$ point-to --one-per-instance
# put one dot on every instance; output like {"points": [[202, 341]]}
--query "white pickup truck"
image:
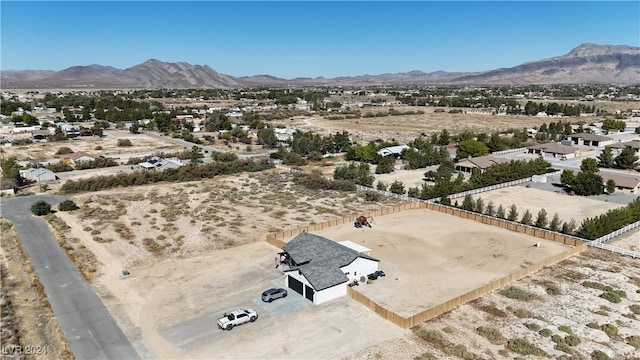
{"points": [[237, 317]]}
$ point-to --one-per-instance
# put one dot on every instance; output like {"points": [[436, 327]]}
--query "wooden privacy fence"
{"points": [[428, 314]]}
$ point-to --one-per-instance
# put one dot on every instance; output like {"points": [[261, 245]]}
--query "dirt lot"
{"points": [[186, 243]]}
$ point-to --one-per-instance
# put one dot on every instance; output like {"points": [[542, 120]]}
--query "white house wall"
{"points": [[331, 293], [360, 267]]}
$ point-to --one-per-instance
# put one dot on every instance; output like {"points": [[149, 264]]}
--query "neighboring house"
{"points": [[618, 147], [39, 175], [623, 182], [78, 157], [482, 163], [393, 150], [40, 135], [158, 163], [554, 149], [321, 269], [588, 139]]}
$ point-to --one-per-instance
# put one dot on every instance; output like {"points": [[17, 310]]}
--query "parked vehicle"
{"points": [[380, 273], [372, 276], [273, 294], [353, 283], [237, 317]]}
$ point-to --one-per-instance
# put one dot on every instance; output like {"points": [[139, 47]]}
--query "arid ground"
{"points": [[195, 250]]}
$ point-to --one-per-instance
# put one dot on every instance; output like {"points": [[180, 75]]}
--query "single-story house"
{"points": [[482, 163], [623, 182], [158, 163], [78, 157], [320, 269], [588, 139], [38, 175], [554, 149], [40, 135], [618, 147], [393, 150]]}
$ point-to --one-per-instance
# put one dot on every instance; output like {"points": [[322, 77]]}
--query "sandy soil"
{"points": [[173, 291], [424, 252], [404, 128]]}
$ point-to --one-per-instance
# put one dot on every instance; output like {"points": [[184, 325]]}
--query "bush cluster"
{"points": [[188, 172]]}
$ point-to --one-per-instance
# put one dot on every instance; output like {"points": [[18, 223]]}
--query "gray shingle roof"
{"points": [[319, 259], [589, 137]]}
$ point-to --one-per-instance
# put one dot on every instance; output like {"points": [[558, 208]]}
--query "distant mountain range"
{"points": [[585, 64]]}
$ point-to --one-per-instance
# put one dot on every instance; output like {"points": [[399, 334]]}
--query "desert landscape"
{"points": [[194, 250]]}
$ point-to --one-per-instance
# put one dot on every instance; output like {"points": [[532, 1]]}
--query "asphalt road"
{"points": [[85, 322]]}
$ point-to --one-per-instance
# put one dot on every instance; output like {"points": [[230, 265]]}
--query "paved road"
{"points": [[86, 324]]}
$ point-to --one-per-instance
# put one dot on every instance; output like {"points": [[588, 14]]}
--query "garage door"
{"points": [[295, 285], [308, 292]]}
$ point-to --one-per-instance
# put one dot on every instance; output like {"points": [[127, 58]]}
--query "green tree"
{"points": [[444, 138], [385, 165], [587, 184], [605, 159], [555, 223], [513, 213], [610, 185], [567, 177], [468, 203], [589, 165], [490, 209], [627, 159], [471, 148], [41, 208], [479, 206], [397, 187], [267, 137], [527, 218], [500, 213], [542, 220], [11, 178], [135, 127]]}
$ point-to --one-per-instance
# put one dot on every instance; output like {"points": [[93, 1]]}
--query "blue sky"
{"points": [[308, 39]]}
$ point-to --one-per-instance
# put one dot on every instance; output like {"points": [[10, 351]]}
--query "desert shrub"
{"points": [[492, 310], [426, 356], [532, 326], [524, 347], [634, 341], [611, 296], [599, 355], [95, 232], [448, 330], [372, 196], [98, 147], [514, 292], [563, 347], [220, 156], [433, 337], [602, 312], [492, 334], [635, 308], [553, 290], [565, 328], [545, 332], [64, 150], [124, 142], [595, 285], [557, 339], [40, 208], [67, 205], [572, 340], [522, 313], [609, 329], [381, 186], [593, 325], [87, 228], [59, 167], [458, 350]]}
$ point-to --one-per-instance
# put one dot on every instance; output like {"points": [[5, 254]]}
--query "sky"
{"points": [[292, 39]]}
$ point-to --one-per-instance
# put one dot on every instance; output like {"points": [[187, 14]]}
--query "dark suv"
{"points": [[273, 294]]}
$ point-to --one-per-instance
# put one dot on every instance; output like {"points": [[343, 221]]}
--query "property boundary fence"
{"points": [[428, 314], [510, 151], [542, 233]]}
